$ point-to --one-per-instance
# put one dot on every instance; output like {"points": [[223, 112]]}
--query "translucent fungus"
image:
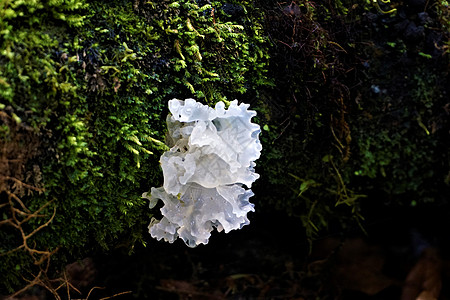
{"points": [[210, 161]]}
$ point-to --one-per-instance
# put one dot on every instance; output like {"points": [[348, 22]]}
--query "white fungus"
{"points": [[210, 161]]}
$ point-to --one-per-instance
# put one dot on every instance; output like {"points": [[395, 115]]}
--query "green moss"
{"points": [[210, 57], [401, 146], [355, 117], [92, 78]]}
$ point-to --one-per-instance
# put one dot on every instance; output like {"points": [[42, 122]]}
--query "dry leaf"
{"points": [[360, 267], [424, 281]]}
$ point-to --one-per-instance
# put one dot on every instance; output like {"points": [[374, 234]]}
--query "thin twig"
{"points": [[43, 225], [90, 291], [36, 213], [22, 183], [119, 294], [11, 195]]}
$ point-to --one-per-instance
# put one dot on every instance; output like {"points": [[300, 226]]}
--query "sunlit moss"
{"points": [[93, 79]]}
